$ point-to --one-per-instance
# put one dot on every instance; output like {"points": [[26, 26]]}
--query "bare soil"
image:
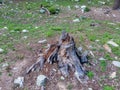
{"points": [[19, 67]]}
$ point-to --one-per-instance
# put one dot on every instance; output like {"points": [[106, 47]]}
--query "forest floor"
{"points": [[22, 27]]}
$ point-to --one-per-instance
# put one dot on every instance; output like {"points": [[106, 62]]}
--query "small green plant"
{"points": [[49, 33], [108, 57], [56, 28], [69, 87], [20, 56], [103, 65], [9, 74], [90, 74], [1, 60], [87, 9], [108, 88]]}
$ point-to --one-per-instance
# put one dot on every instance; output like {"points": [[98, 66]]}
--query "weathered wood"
{"points": [[66, 55]]}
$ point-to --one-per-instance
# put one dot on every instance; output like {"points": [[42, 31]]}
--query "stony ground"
{"points": [[92, 30]]}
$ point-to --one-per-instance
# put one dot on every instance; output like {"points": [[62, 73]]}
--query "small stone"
{"points": [[76, 20], [113, 75], [101, 2], [77, 0], [42, 41], [107, 48], [62, 78], [90, 89], [5, 28], [54, 70], [24, 31], [80, 49], [83, 7], [1, 50], [25, 37], [116, 63], [77, 7], [42, 11], [101, 59], [19, 81], [68, 7], [5, 65], [41, 80], [97, 40], [112, 43]]}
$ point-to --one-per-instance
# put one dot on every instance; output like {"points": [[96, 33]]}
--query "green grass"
{"points": [[108, 88], [90, 74], [103, 65]]}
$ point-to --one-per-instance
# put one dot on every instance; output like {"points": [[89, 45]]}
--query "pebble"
{"points": [[90, 89], [24, 31], [116, 63], [42, 41], [41, 80], [112, 43], [76, 20], [113, 75], [1, 50], [19, 81], [62, 78], [101, 59]]}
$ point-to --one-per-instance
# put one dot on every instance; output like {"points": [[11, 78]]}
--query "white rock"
{"points": [[113, 75], [77, 0], [24, 31], [83, 7], [68, 7], [101, 58], [77, 6], [101, 2], [113, 43], [5, 65], [97, 40], [116, 63], [62, 78], [42, 41], [1, 50], [5, 28], [24, 37], [41, 80], [76, 20], [19, 81], [90, 89]]}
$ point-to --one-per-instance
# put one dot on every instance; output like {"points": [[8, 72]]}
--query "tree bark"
{"points": [[116, 4]]}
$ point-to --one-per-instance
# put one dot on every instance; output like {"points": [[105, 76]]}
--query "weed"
{"points": [[90, 74], [108, 88], [69, 87], [20, 56], [103, 65], [108, 57], [1, 60]]}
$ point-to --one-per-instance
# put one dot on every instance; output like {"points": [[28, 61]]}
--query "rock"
{"points": [[77, 0], [91, 53], [41, 80], [83, 7], [1, 50], [101, 2], [5, 65], [107, 48], [90, 89], [19, 81], [116, 63], [101, 58], [77, 7], [76, 20], [42, 10], [5, 28], [113, 75], [24, 31], [68, 7], [97, 40], [42, 41], [112, 43], [80, 49], [62, 78], [61, 86], [24, 37]]}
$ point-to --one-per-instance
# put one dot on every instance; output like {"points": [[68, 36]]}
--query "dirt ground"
{"points": [[54, 83]]}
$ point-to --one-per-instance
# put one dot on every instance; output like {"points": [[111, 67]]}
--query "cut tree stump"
{"points": [[66, 55]]}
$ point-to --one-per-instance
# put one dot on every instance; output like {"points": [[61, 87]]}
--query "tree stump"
{"points": [[66, 55]]}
